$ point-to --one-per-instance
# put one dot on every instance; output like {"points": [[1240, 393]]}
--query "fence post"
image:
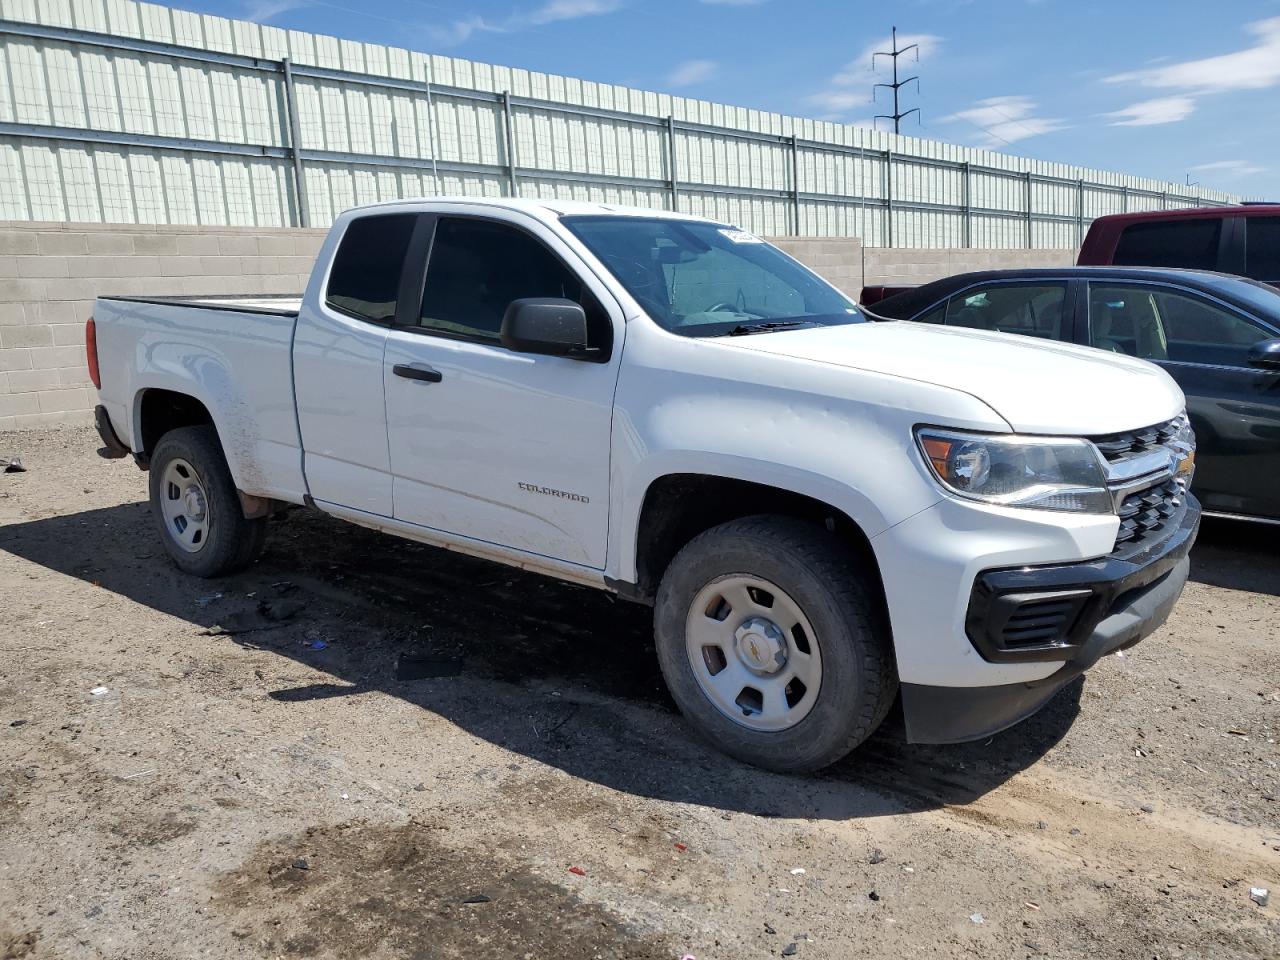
{"points": [[966, 183], [888, 197], [1080, 211], [795, 185], [295, 146], [671, 163], [1124, 198], [512, 183], [1030, 242]]}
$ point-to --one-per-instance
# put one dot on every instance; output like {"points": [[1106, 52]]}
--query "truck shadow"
{"points": [[560, 674], [1238, 555]]}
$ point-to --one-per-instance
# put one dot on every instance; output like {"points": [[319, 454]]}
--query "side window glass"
{"points": [[477, 267], [364, 281], [1192, 244], [1032, 309], [936, 315], [1160, 324], [1124, 320], [1202, 332], [1262, 248]]}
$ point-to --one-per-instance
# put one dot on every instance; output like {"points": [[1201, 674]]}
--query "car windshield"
{"points": [[703, 279]]}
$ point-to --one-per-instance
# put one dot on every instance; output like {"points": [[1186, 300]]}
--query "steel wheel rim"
{"points": [[753, 652], [185, 506]]}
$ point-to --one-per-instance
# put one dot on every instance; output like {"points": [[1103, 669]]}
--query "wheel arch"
{"points": [[677, 506], [157, 410]]}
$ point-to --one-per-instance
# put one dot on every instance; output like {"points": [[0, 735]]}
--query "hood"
{"points": [[1038, 386]]}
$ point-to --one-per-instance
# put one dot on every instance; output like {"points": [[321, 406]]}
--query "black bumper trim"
{"points": [[957, 714], [112, 447], [1096, 587]]}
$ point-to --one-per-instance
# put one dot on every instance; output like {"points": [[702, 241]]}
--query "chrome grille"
{"points": [[1145, 514], [1143, 475], [1120, 446]]}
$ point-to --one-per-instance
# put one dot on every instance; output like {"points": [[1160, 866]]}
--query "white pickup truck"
{"points": [[824, 510]]}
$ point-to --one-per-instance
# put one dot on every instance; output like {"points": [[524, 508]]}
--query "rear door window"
{"points": [[365, 279], [1190, 244], [1262, 248], [1034, 310]]}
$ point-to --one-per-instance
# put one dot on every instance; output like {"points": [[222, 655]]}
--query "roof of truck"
{"points": [[544, 208]]}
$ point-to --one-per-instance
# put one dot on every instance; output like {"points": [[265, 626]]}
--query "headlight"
{"points": [[1044, 473]]}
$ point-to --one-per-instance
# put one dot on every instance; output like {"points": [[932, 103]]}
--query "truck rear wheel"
{"points": [[196, 506], [771, 644]]}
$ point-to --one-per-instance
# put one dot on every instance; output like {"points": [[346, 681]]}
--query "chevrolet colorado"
{"points": [[825, 511]]}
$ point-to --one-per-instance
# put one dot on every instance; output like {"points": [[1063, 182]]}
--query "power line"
{"points": [[897, 115]]}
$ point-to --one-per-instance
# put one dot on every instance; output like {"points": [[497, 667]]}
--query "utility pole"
{"points": [[897, 116]]}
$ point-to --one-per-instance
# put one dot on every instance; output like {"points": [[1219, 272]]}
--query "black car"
{"points": [[1218, 336]]}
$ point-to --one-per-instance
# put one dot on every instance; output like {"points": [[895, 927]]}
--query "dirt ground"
{"points": [[406, 730]]}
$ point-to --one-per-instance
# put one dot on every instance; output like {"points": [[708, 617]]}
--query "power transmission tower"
{"points": [[897, 115]]}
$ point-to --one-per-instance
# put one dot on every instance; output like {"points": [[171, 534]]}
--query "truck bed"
{"points": [[280, 305]]}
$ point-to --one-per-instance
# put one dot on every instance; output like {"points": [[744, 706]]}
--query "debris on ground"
{"points": [[300, 864], [17, 723], [1147, 808], [410, 667], [1260, 895], [12, 465], [478, 898], [977, 918], [877, 856], [99, 692], [768, 928], [790, 950], [208, 599], [577, 871], [797, 871], [681, 847], [278, 610], [873, 897], [317, 644]]}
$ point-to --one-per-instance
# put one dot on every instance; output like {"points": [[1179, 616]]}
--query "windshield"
{"points": [[704, 279]]}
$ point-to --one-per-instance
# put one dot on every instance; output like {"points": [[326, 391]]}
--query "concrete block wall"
{"points": [[902, 267], [50, 274]]}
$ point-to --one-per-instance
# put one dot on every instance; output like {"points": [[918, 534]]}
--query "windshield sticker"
{"points": [[740, 236]]}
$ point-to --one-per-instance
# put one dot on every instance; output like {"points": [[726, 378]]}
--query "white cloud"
{"points": [[1253, 68], [1148, 113], [1243, 168], [554, 11], [260, 11], [691, 72], [851, 87], [557, 10], [1005, 120], [835, 101]]}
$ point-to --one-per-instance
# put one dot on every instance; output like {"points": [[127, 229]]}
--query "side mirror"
{"points": [[548, 325], [1265, 354]]}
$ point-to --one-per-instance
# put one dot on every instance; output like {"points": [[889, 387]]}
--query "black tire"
{"points": [[233, 542], [859, 678]]}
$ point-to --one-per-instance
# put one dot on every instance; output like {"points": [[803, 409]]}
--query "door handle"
{"points": [[417, 371]]}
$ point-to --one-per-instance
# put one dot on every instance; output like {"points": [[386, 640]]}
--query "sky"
{"points": [[1179, 90]]}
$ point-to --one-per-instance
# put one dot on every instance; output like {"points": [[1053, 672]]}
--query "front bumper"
{"points": [[1109, 604]]}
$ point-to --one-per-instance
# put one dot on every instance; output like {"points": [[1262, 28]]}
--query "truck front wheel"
{"points": [[196, 506], [771, 644]]}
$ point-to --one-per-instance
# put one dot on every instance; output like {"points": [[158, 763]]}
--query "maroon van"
{"points": [[1243, 240]]}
